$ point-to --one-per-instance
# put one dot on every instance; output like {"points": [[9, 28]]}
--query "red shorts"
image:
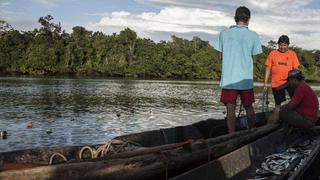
{"points": [[229, 96]]}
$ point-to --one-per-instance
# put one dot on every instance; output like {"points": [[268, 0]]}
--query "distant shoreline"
{"points": [[197, 81]]}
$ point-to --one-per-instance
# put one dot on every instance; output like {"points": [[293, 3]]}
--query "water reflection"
{"points": [[90, 111]]}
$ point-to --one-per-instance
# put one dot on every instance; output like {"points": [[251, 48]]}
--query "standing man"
{"points": [[302, 110], [278, 64], [237, 47]]}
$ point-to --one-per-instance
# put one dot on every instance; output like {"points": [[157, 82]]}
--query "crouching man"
{"points": [[302, 110]]}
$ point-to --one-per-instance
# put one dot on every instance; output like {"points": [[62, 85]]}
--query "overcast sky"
{"points": [[159, 19]]}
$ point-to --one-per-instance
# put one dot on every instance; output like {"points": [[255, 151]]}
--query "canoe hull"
{"points": [[242, 163], [153, 166], [157, 165]]}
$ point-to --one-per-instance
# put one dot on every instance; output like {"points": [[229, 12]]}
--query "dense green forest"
{"points": [[51, 51]]}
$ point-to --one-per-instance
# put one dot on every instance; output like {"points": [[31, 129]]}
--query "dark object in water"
{"points": [[30, 125], [153, 161], [3, 134]]}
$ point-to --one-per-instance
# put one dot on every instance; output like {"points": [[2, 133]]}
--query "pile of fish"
{"points": [[286, 162]]}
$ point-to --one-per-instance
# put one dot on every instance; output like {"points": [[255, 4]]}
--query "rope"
{"points": [[102, 150], [265, 101], [56, 154], [92, 151], [240, 111]]}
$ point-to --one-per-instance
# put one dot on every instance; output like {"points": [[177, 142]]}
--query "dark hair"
{"points": [[284, 39], [242, 14]]}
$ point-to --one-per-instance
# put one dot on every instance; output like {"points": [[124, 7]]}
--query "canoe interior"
{"points": [[200, 130], [243, 162]]}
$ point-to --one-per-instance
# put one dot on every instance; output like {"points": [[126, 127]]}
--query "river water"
{"points": [[92, 111]]}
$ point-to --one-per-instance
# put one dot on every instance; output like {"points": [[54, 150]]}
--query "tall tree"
{"points": [[127, 38]]}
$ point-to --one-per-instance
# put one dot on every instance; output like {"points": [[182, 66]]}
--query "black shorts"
{"points": [[279, 93]]}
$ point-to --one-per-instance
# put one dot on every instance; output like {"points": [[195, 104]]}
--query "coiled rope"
{"points": [[101, 151], [56, 154]]}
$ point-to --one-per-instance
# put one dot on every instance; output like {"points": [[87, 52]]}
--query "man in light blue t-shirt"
{"points": [[237, 48]]}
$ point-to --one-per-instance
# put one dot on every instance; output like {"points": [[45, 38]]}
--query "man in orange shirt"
{"points": [[278, 64]]}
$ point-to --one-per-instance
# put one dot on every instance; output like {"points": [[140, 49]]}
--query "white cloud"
{"points": [[173, 19], [270, 19], [169, 21], [301, 26]]}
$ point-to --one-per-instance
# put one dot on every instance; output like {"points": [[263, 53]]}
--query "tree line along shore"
{"points": [[51, 51]]}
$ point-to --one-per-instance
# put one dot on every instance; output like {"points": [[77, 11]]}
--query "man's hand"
{"points": [[266, 77], [254, 58], [265, 86]]}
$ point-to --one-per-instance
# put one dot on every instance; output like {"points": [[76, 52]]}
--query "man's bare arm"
{"points": [[266, 77]]}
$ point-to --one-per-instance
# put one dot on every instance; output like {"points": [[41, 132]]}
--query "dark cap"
{"points": [[294, 73]]}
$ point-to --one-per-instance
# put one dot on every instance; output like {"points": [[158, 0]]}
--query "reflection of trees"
{"points": [[55, 98], [125, 97], [47, 99]]}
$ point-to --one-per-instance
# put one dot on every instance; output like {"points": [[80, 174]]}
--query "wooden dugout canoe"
{"points": [[165, 153], [243, 162]]}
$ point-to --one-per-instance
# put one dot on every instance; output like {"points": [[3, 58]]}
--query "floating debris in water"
{"points": [[49, 131], [30, 125], [3, 134], [276, 164]]}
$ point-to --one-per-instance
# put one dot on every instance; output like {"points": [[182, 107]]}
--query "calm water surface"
{"points": [[92, 111]]}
